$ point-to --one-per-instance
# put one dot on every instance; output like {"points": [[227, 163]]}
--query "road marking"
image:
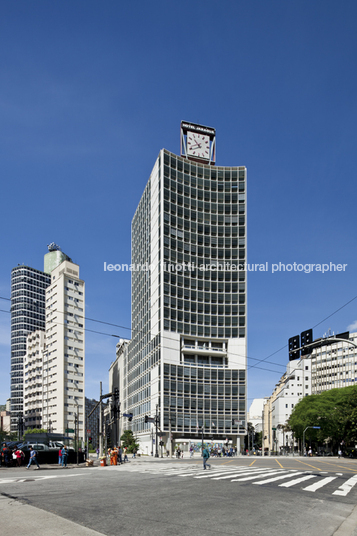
{"points": [[252, 463], [320, 484], [269, 472], [209, 474], [346, 487], [279, 463], [249, 472], [36, 478], [309, 465], [296, 481], [276, 478], [345, 468]]}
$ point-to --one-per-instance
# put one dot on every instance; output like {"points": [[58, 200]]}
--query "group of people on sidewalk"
{"points": [[63, 456], [118, 455], [11, 457]]}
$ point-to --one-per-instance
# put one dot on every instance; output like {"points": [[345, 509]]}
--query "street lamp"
{"points": [[303, 436]]}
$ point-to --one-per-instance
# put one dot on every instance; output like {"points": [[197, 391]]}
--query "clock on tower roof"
{"points": [[198, 143]]}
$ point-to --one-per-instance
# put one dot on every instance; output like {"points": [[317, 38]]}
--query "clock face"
{"points": [[198, 145]]}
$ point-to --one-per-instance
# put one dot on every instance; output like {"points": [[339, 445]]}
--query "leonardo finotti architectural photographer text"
{"points": [[228, 267]]}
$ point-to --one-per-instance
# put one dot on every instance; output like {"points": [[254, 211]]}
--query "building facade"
{"points": [[294, 385], [334, 362], [64, 359], [186, 362], [255, 414], [33, 379], [28, 287]]}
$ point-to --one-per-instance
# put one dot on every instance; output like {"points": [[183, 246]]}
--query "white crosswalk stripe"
{"points": [[296, 481], [267, 473], [317, 485], [275, 478], [254, 475], [346, 487]]}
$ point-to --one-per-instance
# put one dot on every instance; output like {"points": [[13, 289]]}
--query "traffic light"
{"points": [[146, 418], [116, 394], [130, 418], [294, 343], [306, 338]]}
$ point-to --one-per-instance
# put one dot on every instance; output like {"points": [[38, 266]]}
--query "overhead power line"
{"points": [[264, 360]]}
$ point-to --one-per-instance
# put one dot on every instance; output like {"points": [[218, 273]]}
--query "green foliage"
{"points": [[258, 440], [34, 431], [128, 440], [8, 436], [335, 411]]}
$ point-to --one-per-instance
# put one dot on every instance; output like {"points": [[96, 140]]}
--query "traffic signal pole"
{"points": [[100, 422], [156, 434]]}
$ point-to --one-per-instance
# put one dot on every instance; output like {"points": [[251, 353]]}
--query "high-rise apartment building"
{"points": [[187, 357], [28, 287], [64, 359], [33, 379], [333, 362]]}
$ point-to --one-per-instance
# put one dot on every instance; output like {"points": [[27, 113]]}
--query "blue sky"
{"points": [[90, 91]]}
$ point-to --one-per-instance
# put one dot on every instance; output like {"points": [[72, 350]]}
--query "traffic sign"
{"points": [[69, 431], [316, 427]]}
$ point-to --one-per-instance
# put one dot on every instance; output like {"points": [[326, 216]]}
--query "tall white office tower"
{"points": [[64, 359], [187, 358]]}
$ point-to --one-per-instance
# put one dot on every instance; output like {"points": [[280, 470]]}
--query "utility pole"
{"points": [[156, 435], [170, 436], [100, 434], [202, 440]]}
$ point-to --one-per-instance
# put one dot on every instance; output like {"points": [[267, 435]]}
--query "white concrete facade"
{"points": [[255, 413], [294, 385], [33, 379], [334, 364], [188, 352], [64, 361]]}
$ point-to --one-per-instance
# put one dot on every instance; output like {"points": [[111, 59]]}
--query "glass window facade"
{"points": [[28, 287], [190, 227]]}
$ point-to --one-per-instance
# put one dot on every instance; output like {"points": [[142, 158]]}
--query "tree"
{"points": [[258, 440], [129, 441], [34, 431], [334, 411]]}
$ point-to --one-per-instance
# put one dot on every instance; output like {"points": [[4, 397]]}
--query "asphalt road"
{"points": [[244, 496]]}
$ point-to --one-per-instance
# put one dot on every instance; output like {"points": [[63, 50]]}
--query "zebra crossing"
{"points": [[283, 478]]}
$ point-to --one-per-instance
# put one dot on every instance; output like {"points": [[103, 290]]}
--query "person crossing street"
{"points": [[206, 455], [33, 458]]}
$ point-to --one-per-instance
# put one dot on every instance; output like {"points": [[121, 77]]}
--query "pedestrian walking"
{"points": [[126, 459], [205, 455], [7, 457], [19, 457], [60, 456], [97, 451], [33, 458], [64, 457]]}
